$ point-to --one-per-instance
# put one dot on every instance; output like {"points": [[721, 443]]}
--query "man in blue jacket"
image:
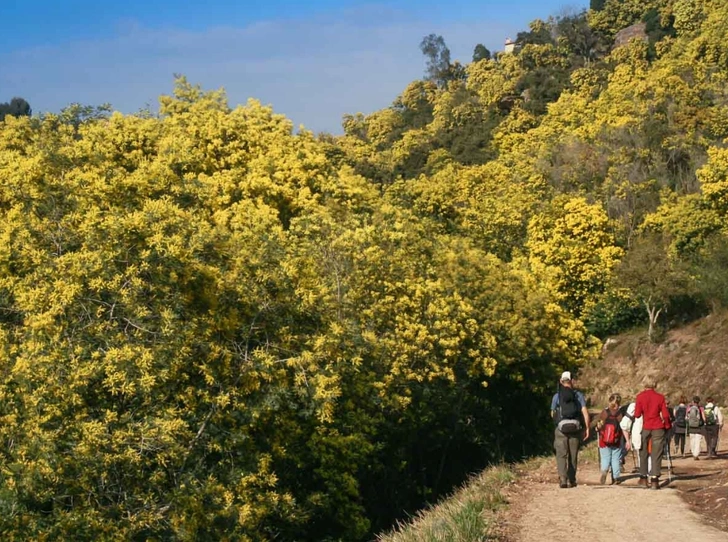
{"points": [[568, 409]]}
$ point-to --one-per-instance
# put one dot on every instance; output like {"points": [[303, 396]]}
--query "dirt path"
{"points": [[691, 506]]}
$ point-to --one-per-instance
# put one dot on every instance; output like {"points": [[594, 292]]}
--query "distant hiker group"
{"points": [[648, 425], [697, 422]]}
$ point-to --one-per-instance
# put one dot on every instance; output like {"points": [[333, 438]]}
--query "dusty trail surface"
{"points": [[690, 506]]}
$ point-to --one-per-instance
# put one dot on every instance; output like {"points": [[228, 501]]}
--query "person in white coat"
{"points": [[632, 428]]}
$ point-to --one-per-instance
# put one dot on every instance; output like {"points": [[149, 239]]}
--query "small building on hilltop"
{"points": [[510, 46]]}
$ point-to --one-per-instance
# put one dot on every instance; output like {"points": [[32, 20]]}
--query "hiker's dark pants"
{"points": [[657, 436], [567, 454], [680, 442], [711, 439]]}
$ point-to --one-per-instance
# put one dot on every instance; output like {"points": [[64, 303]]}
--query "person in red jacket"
{"points": [[656, 421]]}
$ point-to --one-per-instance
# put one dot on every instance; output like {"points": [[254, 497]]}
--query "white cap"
{"points": [[566, 375], [710, 405]]}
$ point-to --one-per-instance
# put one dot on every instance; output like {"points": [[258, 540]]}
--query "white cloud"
{"points": [[313, 70]]}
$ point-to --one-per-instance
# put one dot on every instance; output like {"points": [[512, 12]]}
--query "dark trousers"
{"points": [[567, 454], [711, 439], [680, 442], [657, 438]]}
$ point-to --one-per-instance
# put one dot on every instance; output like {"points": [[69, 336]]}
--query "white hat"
{"points": [[565, 376], [710, 405]]}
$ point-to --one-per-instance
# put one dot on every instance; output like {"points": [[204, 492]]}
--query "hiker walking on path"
{"points": [[680, 425], [713, 425], [610, 440], [651, 405], [696, 424], [625, 425], [670, 432], [632, 426], [568, 409]]}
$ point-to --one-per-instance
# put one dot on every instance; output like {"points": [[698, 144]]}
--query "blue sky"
{"points": [[312, 60]]}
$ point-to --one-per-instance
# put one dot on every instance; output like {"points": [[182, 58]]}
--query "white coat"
{"points": [[634, 428]]}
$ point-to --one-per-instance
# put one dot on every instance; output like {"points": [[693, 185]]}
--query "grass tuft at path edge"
{"points": [[468, 515]]}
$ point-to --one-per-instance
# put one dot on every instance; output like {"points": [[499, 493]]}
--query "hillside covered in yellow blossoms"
{"points": [[216, 327]]}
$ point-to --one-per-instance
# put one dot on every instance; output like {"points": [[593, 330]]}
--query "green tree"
{"points": [[540, 33], [16, 107], [653, 276], [573, 32], [710, 269], [76, 114], [436, 52], [481, 52]]}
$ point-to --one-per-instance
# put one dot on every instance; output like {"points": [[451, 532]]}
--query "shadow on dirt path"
{"points": [[692, 504]]}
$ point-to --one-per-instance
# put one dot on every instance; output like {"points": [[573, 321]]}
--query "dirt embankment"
{"points": [[692, 360]]}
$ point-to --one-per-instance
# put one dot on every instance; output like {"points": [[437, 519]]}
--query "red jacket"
{"points": [[651, 405]]}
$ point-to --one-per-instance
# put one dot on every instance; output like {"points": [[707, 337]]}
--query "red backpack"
{"points": [[611, 432]]}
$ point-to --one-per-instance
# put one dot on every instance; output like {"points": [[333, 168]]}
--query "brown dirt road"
{"points": [[693, 505]]}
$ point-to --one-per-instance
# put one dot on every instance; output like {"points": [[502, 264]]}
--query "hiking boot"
{"points": [[696, 458], [603, 478], [562, 484], [655, 483], [642, 481], [572, 483], [617, 481]]}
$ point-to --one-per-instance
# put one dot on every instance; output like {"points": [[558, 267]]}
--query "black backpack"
{"points": [[569, 407], [568, 419], [623, 411], [680, 416]]}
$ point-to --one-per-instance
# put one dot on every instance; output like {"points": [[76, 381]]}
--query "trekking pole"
{"points": [[669, 462]]}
